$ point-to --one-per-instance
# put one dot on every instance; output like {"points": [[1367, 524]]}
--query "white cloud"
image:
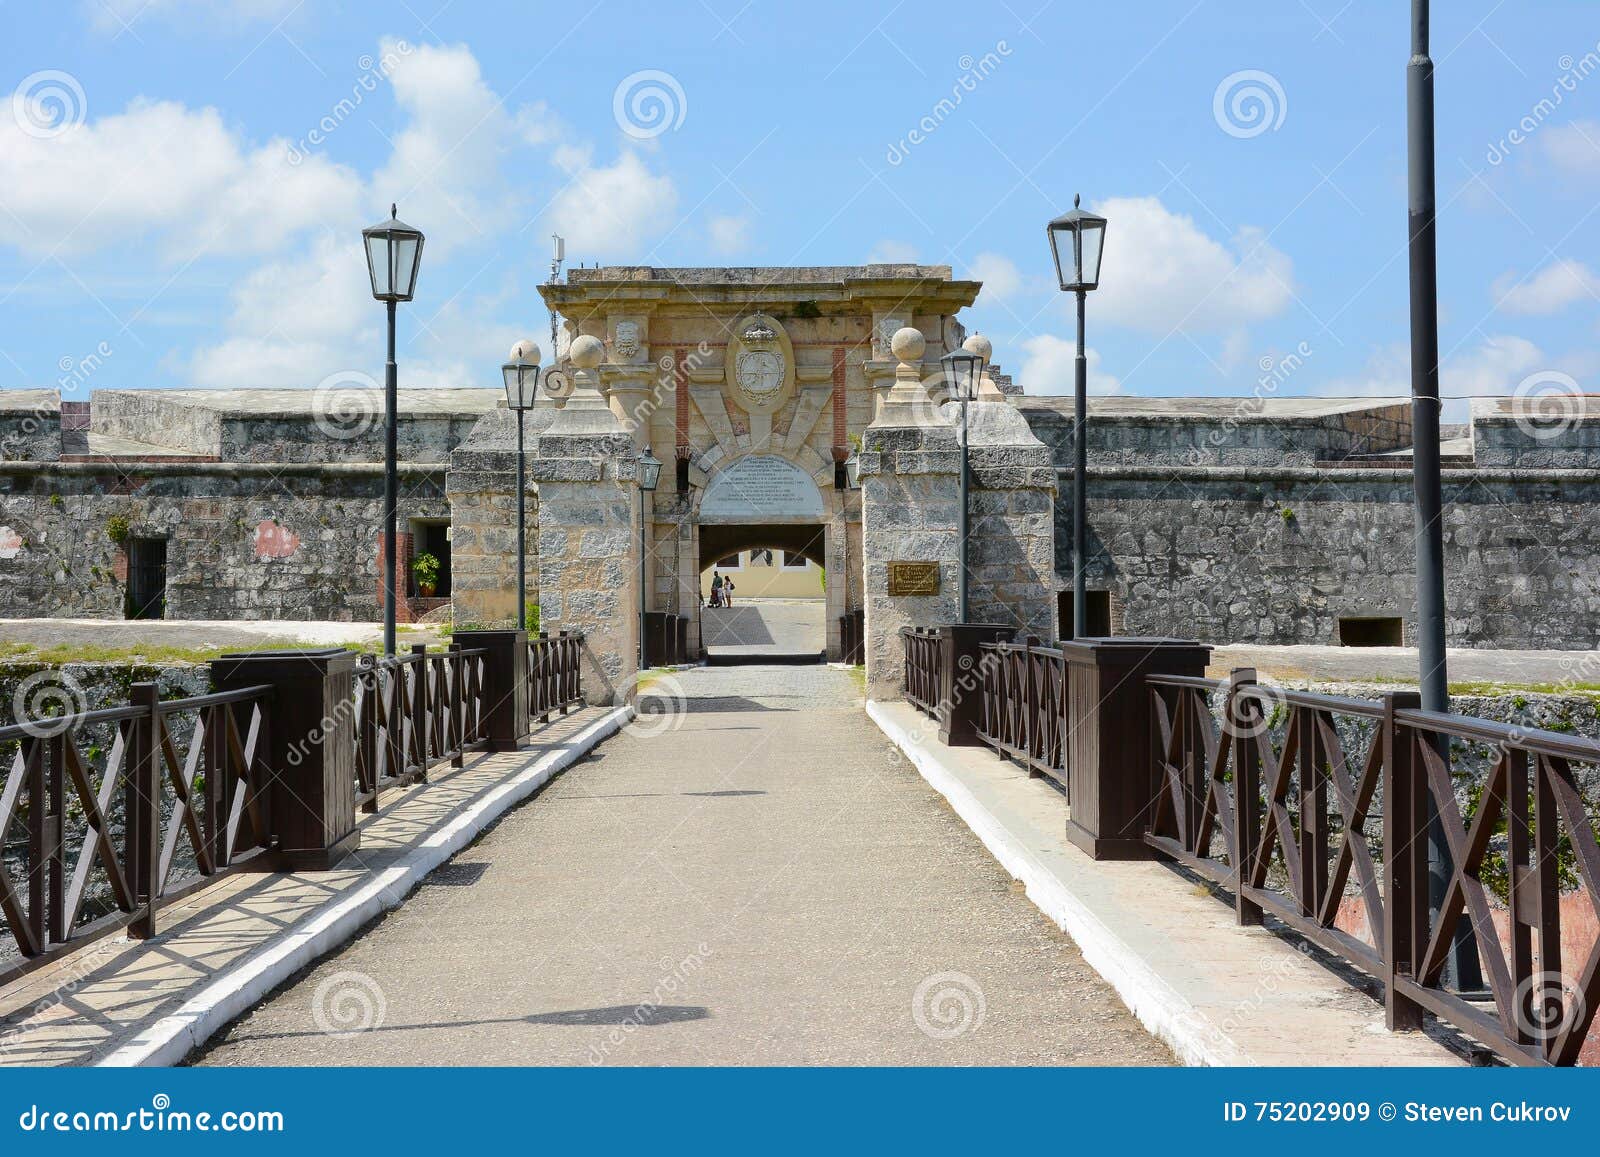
{"points": [[892, 253], [1049, 367], [1574, 147], [1551, 290], [609, 212], [1000, 276], [162, 172], [728, 234], [1162, 274], [1493, 367]]}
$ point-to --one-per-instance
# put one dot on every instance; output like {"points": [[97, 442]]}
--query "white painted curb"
{"points": [[1164, 1012], [173, 1037]]}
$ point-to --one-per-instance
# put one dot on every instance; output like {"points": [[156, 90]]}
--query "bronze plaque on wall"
{"points": [[913, 578]]}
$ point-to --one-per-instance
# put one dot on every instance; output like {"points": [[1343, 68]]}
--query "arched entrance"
{"points": [[763, 521]]}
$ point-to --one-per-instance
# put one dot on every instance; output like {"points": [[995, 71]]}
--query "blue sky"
{"points": [[182, 184]]}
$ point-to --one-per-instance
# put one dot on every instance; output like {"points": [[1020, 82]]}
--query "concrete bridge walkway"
{"points": [[754, 877]]}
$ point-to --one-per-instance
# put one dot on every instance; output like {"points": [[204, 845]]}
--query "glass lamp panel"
{"points": [[1092, 239], [408, 249], [1061, 245], [378, 267]]}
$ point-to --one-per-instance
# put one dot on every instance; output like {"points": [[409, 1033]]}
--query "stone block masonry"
{"points": [[241, 541]]}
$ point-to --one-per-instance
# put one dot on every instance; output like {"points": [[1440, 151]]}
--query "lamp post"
{"points": [[1078, 271], [521, 376], [394, 253], [1462, 966], [649, 476], [963, 369]]}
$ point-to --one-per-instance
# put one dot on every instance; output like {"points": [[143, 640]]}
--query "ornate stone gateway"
{"points": [[753, 386]]}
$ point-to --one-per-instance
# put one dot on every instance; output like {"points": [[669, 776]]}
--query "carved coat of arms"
{"points": [[759, 368], [626, 341]]}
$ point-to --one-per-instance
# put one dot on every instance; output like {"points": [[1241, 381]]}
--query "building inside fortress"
{"points": [[1235, 519]]}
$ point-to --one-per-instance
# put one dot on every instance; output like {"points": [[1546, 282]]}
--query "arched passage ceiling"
{"points": [[719, 541]]}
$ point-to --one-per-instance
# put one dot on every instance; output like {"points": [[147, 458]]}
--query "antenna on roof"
{"points": [[558, 254]]}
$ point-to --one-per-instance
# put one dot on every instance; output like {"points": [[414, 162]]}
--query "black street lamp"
{"points": [[521, 375], [1078, 271], [1462, 966], [852, 481], [394, 253], [963, 370], [649, 476]]}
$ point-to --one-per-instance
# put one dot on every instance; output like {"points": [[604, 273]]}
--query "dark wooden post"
{"points": [[505, 685], [1405, 847], [457, 666], [961, 673], [142, 808], [421, 711], [311, 752], [1111, 737], [1243, 719]]}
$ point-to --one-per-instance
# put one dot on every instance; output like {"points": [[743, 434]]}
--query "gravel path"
{"points": [[752, 876]]}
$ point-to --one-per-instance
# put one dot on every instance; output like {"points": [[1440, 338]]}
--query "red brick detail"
{"points": [[402, 568], [841, 399], [119, 565], [680, 391]]}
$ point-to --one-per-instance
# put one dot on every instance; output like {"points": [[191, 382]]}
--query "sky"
{"points": [[183, 182]]}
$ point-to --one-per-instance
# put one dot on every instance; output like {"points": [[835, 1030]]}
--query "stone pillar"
{"points": [[910, 464], [588, 531], [482, 488], [1011, 558]]}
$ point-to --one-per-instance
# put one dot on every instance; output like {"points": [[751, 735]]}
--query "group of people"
{"points": [[721, 590]]}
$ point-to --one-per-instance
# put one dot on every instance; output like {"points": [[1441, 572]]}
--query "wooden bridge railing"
{"points": [[413, 711], [1289, 798], [555, 674], [126, 810], [1024, 708], [922, 674]]}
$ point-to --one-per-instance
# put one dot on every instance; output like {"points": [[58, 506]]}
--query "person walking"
{"points": [[727, 591], [716, 589]]}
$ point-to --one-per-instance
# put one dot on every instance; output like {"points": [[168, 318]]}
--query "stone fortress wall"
{"points": [[1232, 519]]}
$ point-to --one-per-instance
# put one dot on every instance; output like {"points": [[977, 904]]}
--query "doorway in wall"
{"points": [[147, 579]]}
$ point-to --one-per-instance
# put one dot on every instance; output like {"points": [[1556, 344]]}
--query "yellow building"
{"points": [[768, 574]]}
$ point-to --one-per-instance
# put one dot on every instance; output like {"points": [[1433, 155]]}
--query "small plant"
{"points": [[1287, 514], [425, 569], [55, 500], [533, 618], [117, 529]]}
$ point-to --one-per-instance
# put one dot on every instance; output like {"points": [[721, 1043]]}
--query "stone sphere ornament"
{"points": [[908, 344], [980, 345], [525, 353], [587, 352]]}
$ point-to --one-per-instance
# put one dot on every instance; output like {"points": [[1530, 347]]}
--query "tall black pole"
{"points": [[643, 655], [391, 400], [1434, 676], [1080, 467], [966, 519], [522, 526]]}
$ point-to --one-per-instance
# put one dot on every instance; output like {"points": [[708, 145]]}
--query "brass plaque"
{"points": [[913, 578]]}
